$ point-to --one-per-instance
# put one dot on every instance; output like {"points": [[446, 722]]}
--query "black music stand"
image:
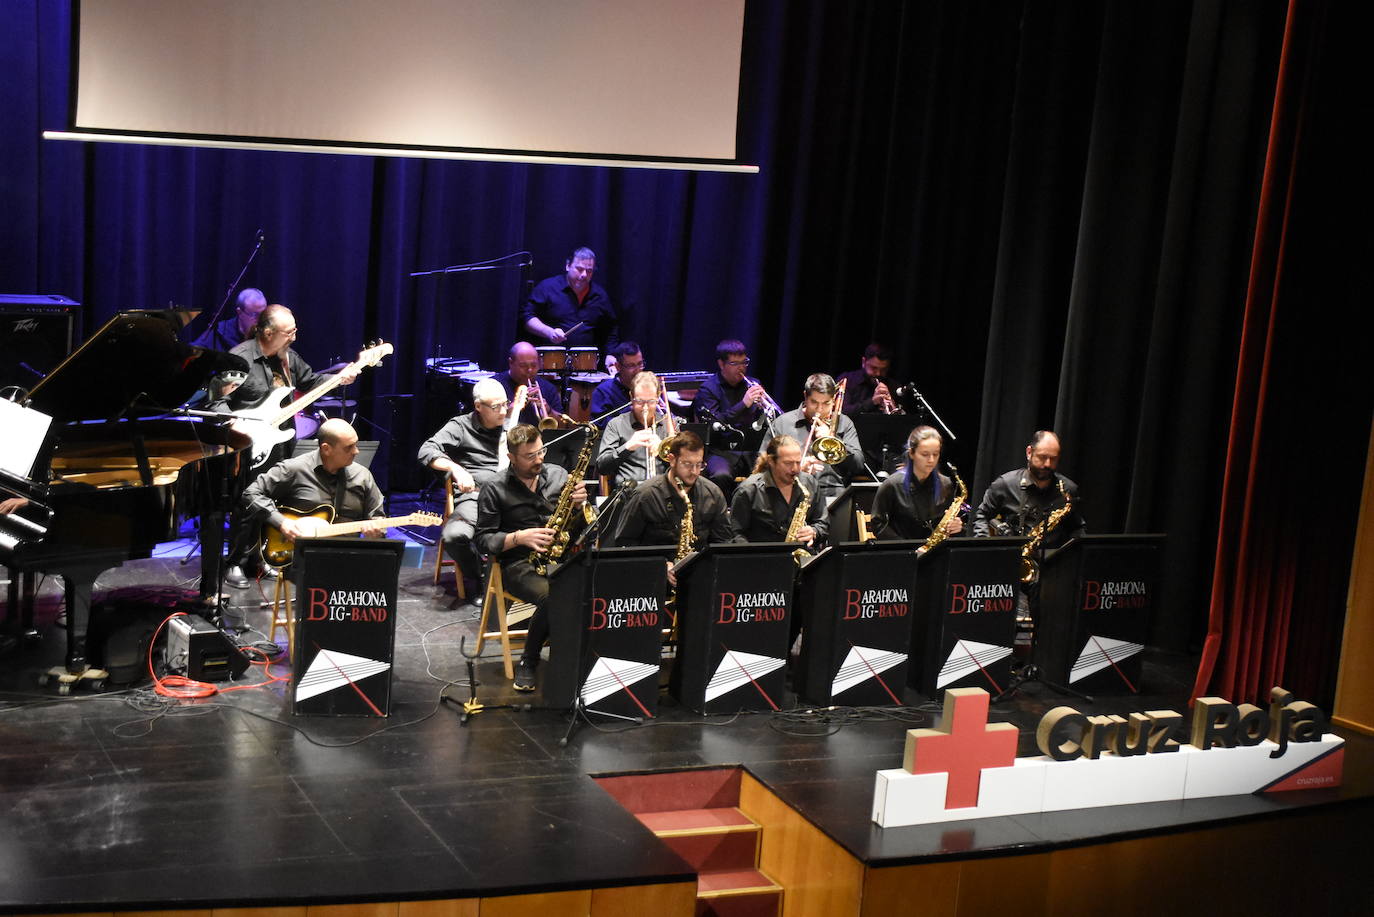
{"points": [[1097, 599], [606, 620], [734, 608], [345, 625], [844, 525], [965, 629], [855, 602], [883, 437]]}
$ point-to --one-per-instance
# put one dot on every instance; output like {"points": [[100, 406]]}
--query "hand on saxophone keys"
{"points": [[806, 535], [579, 494], [539, 539]]}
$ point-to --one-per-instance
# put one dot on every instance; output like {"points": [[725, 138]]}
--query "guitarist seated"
{"points": [[286, 495]]}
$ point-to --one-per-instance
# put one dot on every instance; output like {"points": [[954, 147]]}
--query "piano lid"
{"points": [[133, 365]]}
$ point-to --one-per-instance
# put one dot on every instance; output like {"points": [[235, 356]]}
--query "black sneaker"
{"points": [[234, 577], [524, 676]]}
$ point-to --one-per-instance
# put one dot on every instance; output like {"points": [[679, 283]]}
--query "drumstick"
{"points": [[573, 328]]}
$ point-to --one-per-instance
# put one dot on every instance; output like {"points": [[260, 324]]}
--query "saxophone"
{"points": [[799, 520], [941, 531], [686, 536], [560, 520], [1030, 570]]}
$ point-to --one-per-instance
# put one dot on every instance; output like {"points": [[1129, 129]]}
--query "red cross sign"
{"points": [[962, 746]]}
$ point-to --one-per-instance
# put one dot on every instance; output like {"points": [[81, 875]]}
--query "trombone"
{"points": [[821, 441]]}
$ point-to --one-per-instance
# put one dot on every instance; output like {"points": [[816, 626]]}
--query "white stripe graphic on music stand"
{"points": [[863, 663], [330, 670], [610, 675], [738, 669], [968, 657], [1100, 652]]}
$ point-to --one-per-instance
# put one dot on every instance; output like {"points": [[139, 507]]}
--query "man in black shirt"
{"points": [[819, 395], [656, 509], [868, 388], [513, 511], [763, 506], [523, 369], [614, 393], [913, 500], [730, 397], [324, 477], [1016, 501], [562, 302], [237, 328], [469, 450]]}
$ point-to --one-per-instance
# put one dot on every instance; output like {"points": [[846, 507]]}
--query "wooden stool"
{"points": [[440, 561], [281, 613], [508, 610]]}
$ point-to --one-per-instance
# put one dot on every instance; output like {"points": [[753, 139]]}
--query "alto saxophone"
{"points": [[941, 531], [1030, 570], [799, 520], [686, 535], [560, 520]]}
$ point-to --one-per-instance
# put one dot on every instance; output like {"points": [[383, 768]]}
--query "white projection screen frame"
{"points": [[626, 81]]}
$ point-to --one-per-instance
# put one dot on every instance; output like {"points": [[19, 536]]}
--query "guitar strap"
{"points": [[340, 487]]}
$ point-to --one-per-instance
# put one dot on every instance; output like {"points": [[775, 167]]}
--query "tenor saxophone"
{"points": [[1030, 569], [560, 520], [941, 531]]}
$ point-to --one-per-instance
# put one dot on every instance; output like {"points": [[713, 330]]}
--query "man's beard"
{"points": [[1041, 474]]}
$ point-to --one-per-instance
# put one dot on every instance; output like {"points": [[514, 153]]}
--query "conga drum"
{"points": [[584, 359], [553, 359]]}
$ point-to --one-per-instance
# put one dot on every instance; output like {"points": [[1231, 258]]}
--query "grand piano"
{"points": [[123, 465]]}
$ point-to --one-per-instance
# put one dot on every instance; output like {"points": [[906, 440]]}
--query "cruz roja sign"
{"points": [[967, 768]]}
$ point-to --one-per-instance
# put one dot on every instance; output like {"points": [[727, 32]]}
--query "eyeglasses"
{"points": [[744, 362], [495, 406], [539, 453], [643, 402], [692, 466]]}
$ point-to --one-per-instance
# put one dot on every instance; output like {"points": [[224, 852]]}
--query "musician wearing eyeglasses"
{"points": [[1017, 501], [522, 368], [764, 505], [817, 425], [612, 397], [868, 390], [914, 498], [654, 514], [570, 309], [237, 328], [513, 511], [731, 399], [468, 449], [628, 450]]}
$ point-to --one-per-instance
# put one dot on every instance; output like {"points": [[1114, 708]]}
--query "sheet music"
{"points": [[25, 429]]}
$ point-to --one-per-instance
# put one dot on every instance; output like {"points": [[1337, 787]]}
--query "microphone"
{"points": [[262, 237]]}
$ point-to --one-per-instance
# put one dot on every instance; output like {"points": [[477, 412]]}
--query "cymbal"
{"points": [[335, 403]]}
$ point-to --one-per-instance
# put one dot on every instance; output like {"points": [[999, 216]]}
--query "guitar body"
{"points": [[261, 427], [276, 549]]}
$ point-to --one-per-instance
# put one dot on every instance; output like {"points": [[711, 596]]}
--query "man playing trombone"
{"points": [[731, 399], [629, 448], [831, 450]]}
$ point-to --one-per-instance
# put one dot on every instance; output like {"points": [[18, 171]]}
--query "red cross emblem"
{"points": [[962, 746]]}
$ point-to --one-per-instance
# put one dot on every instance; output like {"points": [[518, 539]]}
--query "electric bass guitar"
{"points": [[269, 423], [277, 549]]}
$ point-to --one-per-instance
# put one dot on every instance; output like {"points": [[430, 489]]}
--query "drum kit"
{"points": [[308, 421]]}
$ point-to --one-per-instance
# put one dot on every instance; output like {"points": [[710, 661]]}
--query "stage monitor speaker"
{"points": [[37, 331], [202, 651]]}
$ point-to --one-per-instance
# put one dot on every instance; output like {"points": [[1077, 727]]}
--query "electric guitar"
{"points": [[268, 422], [277, 549]]}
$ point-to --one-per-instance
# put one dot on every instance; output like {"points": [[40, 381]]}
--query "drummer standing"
{"points": [[571, 310]]}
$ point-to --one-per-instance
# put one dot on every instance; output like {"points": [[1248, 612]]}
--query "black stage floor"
{"points": [[125, 800]]}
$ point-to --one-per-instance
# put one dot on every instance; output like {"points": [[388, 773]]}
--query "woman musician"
{"points": [[911, 502], [629, 448]]}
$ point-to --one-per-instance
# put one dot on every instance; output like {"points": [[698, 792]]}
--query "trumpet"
{"points": [[547, 419], [770, 407], [821, 441], [889, 406]]}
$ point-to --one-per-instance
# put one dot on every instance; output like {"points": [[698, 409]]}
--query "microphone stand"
{"points": [[233, 285], [933, 415]]}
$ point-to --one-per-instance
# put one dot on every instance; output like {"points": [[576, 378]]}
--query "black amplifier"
{"points": [[37, 331]]}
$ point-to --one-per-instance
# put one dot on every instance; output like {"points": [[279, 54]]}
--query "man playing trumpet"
{"points": [[629, 447], [831, 452], [523, 369]]}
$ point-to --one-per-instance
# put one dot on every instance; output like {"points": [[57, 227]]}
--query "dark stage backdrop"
{"points": [[1047, 208]]}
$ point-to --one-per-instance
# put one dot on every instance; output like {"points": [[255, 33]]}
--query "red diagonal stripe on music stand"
{"points": [[367, 700], [986, 673], [874, 672], [756, 685], [626, 688], [1114, 665]]}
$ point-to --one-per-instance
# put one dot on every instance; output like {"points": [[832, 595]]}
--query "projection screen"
{"points": [[613, 79]]}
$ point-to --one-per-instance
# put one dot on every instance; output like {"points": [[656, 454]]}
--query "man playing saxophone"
{"points": [[913, 500], [765, 504], [656, 513], [817, 423], [1015, 502], [513, 511]]}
